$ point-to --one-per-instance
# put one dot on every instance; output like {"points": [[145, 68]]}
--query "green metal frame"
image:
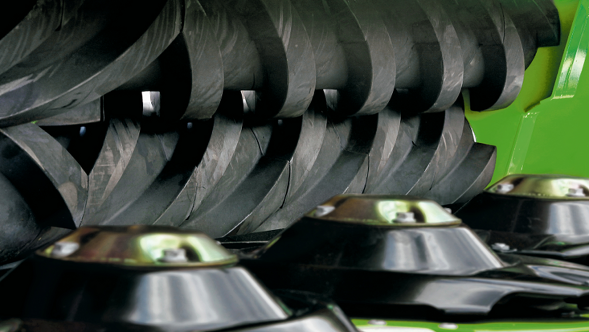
{"points": [[546, 130], [504, 326]]}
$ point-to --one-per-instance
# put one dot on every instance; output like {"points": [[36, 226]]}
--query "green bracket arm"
{"points": [[535, 134]]}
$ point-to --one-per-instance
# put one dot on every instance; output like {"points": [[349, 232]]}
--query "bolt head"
{"points": [[504, 188], [175, 255], [323, 210], [500, 247], [379, 322], [64, 249], [448, 326], [576, 192], [405, 217]]}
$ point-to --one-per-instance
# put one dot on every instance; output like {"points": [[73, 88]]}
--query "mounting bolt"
{"points": [[176, 255], [576, 191], [500, 246], [322, 210], [377, 322], [448, 326], [63, 249], [405, 217], [504, 188]]}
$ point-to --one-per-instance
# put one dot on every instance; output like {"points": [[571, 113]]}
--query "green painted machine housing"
{"points": [[546, 130]]}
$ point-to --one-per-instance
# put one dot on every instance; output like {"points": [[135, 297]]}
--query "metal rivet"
{"points": [[189, 125], [63, 249], [449, 210], [174, 256], [500, 246], [405, 217], [82, 131], [377, 322], [448, 326], [322, 210], [504, 188]]}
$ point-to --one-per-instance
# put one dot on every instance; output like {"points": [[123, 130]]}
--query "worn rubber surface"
{"points": [[238, 116]]}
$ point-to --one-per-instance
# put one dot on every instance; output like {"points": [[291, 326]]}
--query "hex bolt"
{"points": [[500, 246], [576, 191], [377, 322], [405, 217], [323, 210], [504, 188], [174, 255], [63, 249], [448, 326]]}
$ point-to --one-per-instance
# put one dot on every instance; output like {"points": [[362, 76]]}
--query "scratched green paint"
{"points": [[545, 129]]}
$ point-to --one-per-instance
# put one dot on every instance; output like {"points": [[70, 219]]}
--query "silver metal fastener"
{"points": [[448, 326], [576, 191], [63, 249], [322, 210], [405, 217], [504, 188], [175, 255], [377, 322], [500, 246]]}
